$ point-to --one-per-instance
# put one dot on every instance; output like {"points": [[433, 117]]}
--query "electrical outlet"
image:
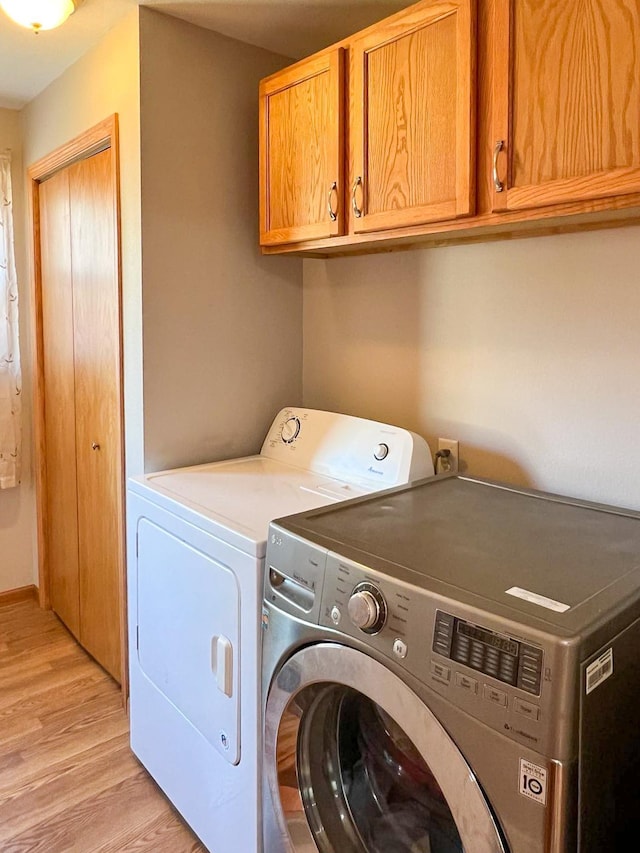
{"points": [[448, 464]]}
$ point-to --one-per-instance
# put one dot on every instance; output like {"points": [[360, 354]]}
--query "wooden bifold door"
{"points": [[81, 406]]}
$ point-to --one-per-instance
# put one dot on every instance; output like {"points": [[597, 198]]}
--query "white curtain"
{"points": [[10, 380]]}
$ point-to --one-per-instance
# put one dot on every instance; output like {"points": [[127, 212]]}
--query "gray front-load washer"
{"points": [[453, 666]]}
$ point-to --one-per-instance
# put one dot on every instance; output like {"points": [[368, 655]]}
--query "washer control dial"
{"points": [[367, 608], [290, 430], [382, 451]]}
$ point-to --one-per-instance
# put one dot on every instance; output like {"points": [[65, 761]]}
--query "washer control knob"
{"points": [[290, 430], [382, 452], [363, 610], [367, 608]]}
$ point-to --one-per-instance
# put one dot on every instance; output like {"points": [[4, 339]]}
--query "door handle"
{"points": [[332, 213], [357, 210], [497, 183], [95, 445], [222, 663]]}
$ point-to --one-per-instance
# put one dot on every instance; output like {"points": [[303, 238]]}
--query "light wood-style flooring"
{"points": [[68, 780]]}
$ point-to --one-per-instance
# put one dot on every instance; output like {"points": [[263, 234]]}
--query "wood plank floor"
{"points": [[68, 780]]}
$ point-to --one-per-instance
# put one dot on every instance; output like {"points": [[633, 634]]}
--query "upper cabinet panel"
{"points": [[412, 125], [566, 101], [456, 120], [301, 151]]}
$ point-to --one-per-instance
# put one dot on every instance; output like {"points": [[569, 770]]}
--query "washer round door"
{"points": [[355, 762]]}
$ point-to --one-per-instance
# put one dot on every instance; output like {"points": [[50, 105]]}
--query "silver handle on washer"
{"points": [[497, 183]]}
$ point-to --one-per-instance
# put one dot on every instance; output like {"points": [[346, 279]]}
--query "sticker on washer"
{"points": [[599, 670], [533, 781], [541, 600]]}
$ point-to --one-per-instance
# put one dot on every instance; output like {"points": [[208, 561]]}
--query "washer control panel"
{"points": [[367, 608], [489, 652], [472, 658], [366, 605], [493, 675]]}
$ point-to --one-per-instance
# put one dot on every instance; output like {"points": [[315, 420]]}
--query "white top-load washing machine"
{"points": [[196, 540]]}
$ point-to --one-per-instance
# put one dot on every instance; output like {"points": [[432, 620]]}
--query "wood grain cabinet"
{"points": [[462, 120], [566, 101], [410, 122], [411, 118], [301, 151]]}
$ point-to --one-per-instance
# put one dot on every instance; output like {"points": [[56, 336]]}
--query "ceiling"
{"points": [[295, 28]]}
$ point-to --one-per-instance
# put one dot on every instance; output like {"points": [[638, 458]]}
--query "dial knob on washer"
{"points": [[363, 609]]}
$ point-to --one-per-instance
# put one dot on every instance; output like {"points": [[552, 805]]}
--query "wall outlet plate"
{"points": [[448, 465]]}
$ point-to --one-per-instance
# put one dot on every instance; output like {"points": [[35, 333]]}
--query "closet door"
{"points": [[81, 372], [96, 333], [58, 370]]}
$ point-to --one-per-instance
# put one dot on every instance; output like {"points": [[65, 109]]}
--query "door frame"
{"points": [[98, 138]]}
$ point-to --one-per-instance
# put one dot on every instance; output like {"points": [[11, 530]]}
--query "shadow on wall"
{"points": [[524, 351], [270, 23], [491, 465], [361, 333]]}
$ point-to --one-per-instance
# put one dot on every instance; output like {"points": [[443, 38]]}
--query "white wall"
{"points": [[222, 324], [17, 508], [105, 81], [526, 351]]}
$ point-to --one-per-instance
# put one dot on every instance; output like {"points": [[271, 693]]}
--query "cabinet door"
{"points": [[301, 151], [413, 118], [566, 101]]}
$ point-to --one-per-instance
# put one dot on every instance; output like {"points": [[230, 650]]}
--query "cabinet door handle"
{"points": [[95, 445], [497, 183], [332, 213], [357, 210]]}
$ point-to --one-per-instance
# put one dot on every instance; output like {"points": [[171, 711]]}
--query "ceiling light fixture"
{"points": [[39, 15]]}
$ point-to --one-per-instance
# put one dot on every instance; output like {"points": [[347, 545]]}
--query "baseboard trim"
{"points": [[22, 593]]}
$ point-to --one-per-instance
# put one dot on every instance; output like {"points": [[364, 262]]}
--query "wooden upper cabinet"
{"points": [[566, 101], [412, 117], [302, 151], [461, 118]]}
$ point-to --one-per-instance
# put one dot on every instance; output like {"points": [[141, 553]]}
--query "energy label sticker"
{"points": [[533, 781]]}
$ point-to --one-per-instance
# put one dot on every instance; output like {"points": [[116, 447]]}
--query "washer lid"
{"points": [[236, 500], [533, 556]]}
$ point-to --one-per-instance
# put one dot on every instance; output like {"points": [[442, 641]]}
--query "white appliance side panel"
{"points": [[189, 634]]}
